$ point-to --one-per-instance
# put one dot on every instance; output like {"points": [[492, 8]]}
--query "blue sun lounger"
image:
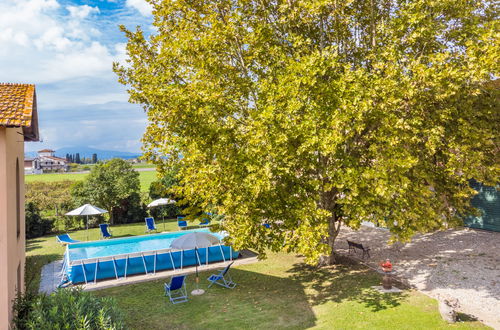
{"points": [[223, 278], [65, 239], [150, 224], [176, 289], [204, 222], [181, 223], [104, 230]]}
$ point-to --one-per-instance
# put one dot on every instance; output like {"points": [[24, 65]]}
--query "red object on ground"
{"points": [[386, 266]]}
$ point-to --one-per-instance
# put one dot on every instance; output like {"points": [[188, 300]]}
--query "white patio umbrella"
{"points": [[195, 240], [87, 210], [161, 202]]}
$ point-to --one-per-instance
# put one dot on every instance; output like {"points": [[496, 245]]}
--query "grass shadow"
{"points": [[33, 244], [343, 282], [122, 236]]}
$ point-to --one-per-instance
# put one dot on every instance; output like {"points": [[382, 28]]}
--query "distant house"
{"points": [[32, 166], [46, 161], [18, 124]]}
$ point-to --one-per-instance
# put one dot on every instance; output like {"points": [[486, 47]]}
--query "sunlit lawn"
{"points": [[146, 177], [279, 292]]}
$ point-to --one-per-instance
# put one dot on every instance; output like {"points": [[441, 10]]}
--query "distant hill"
{"points": [[87, 152]]}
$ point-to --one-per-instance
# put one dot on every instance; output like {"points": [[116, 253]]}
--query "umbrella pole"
{"points": [[163, 221], [87, 227], [198, 291], [197, 279]]}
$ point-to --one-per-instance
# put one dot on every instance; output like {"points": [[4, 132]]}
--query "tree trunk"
{"points": [[333, 231], [111, 216]]}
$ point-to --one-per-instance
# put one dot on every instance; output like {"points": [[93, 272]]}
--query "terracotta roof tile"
{"points": [[16, 104]]}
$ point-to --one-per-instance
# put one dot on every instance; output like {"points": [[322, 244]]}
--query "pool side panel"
{"points": [[78, 273]]}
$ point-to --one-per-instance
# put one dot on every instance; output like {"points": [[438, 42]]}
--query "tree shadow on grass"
{"points": [[123, 236], [343, 282], [33, 244]]}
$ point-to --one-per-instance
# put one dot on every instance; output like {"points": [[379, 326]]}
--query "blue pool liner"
{"points": [[140, 262]]}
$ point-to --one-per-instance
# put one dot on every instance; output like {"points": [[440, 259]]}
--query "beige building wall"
{"points": [[12, 222]]}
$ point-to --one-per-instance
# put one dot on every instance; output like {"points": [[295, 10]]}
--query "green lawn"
{"points": [[282, 293], [279, 292], [145, 177], [143, 165]]}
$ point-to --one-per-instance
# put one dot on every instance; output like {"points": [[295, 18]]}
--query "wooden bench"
{"points": [[353, 246]]}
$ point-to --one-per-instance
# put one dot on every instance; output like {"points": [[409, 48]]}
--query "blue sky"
{"points": [[66, 48]]}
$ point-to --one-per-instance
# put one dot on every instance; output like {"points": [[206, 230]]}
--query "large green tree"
{"points": [[307, 114], [113, 185]]}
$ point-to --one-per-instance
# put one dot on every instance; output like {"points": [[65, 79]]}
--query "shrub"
{"points": [[23, 305], [66, 309], [36, 226], [109, 185], [130, 209]]}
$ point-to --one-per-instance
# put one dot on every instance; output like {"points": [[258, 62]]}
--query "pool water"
{"points": [[146, 254], [120, 246]]}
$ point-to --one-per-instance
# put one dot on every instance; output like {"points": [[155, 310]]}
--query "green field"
{"points": [[143, 165], [145, 177], [280, 292]]}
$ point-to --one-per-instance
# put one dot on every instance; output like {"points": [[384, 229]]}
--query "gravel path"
{"points": [[461, 264]]}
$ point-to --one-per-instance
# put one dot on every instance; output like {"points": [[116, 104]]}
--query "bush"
{"points": [[130, 210], [23, 305], [35, 225], [66, 309], [111, 185]]}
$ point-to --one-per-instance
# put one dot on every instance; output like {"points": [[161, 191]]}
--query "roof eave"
{"points": [[31, 133]]}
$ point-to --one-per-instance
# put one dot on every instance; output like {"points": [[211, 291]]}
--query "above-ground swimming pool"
{"points": [[146, 254]]}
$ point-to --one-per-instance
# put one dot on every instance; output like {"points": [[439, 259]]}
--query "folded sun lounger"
{"points": [[176, 289], [65, 239], [223, 278], [104, 230], [150, 224], [204, 222]]}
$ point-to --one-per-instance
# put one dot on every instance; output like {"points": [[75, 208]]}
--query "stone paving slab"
{"points": [[50, 277]]}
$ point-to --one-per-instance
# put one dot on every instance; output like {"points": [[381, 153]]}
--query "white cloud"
{"points": [[81, 12], [67, 50], [142, 6], [43, 43]]}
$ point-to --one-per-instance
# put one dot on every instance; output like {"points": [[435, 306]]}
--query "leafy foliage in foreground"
{"points": [[66, 309], [311, 113]]}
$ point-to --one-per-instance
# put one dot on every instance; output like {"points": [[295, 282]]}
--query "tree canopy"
{"points": [[109, 185], [305, 114]]}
